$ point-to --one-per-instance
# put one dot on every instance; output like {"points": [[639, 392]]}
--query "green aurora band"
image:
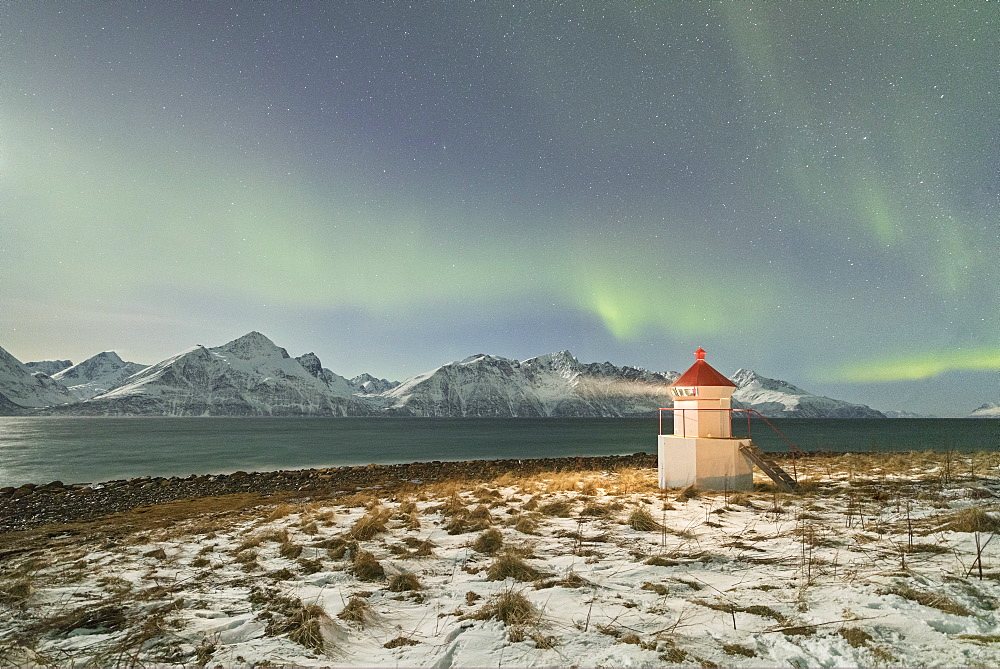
{"points": [[810, 169], [920, 366]]}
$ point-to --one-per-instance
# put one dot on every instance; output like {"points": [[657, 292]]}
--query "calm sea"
{"points": [[73, 450]]}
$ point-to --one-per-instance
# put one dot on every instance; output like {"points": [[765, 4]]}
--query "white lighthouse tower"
{"points": [[702, 451]]}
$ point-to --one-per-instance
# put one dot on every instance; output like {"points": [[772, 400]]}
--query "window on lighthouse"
{"points": [[684, 392]]}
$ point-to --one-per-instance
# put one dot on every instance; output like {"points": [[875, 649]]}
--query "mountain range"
{"points": [[21, 387], [252, 376], [988, 410], [97, 375]]}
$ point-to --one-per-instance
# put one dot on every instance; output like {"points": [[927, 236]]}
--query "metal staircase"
{"points": [[784, 482]]}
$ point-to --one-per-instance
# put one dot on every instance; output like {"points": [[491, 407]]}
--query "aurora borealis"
{"points": [[809, 190]]}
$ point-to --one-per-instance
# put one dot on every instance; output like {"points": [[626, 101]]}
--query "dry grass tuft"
{"points": [[658, 588], [590, 487], [289, 550], [405, 582], [408, 513], [108, 618], [282, 574], [570, 580], [247, 544], [486, 495], [642, 521], [310, 566], [632, 480], [509, 607], [16, 592], [935, 601], [304, 626], [489, 542], [281, 511], [412, 522], [518, 633], [358, 610], [561, 481], [855, 636], [972, 520], [366, 567], [370, 524], [400, 641], [451, 506], [661, 561], [754, 609], [358, 499], [690, 492], [560, 508], [465, 520], [246, 557], [420, 547], [326, 516], [918, 547], [740, 499], [527, 524], [338, 548], [595, 510], [509, 565], [405, 508], [737, 649]]}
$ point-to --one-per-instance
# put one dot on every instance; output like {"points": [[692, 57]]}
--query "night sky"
{"points": [[809, 190]]}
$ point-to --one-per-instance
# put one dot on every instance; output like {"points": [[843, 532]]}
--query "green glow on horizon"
{"points": [[921, 366]]}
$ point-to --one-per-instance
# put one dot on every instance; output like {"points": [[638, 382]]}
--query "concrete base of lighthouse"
{"points": [[709, 464]]}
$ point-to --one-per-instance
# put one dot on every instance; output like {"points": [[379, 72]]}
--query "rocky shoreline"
{"points": [[30, 506]]}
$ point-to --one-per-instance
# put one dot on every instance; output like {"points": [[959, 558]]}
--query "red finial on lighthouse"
{"points": [[699, 354]]}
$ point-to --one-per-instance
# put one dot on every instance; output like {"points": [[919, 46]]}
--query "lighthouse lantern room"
{"points": [[702, 450]]}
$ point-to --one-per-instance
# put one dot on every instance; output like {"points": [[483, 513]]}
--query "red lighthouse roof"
{"points": [[701, 374]]}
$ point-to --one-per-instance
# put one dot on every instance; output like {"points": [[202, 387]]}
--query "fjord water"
{"points": [[73, 450]]}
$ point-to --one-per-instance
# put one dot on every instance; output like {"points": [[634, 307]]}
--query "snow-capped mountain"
{"points": [[335, 382], [23, 388], [249, 376], [904, 414], [780, 399], [366, 384], [97, 375], [50, 367], [988, 410], [556, 384]]}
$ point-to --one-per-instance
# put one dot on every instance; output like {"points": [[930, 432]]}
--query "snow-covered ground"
{"points": [[876, 561]]}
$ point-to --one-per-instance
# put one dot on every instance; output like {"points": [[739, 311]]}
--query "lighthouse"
{"points": [[702, 450]]}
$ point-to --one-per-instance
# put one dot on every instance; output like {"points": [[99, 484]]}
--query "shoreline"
{"points": [[31, 505], [34, 505]]}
